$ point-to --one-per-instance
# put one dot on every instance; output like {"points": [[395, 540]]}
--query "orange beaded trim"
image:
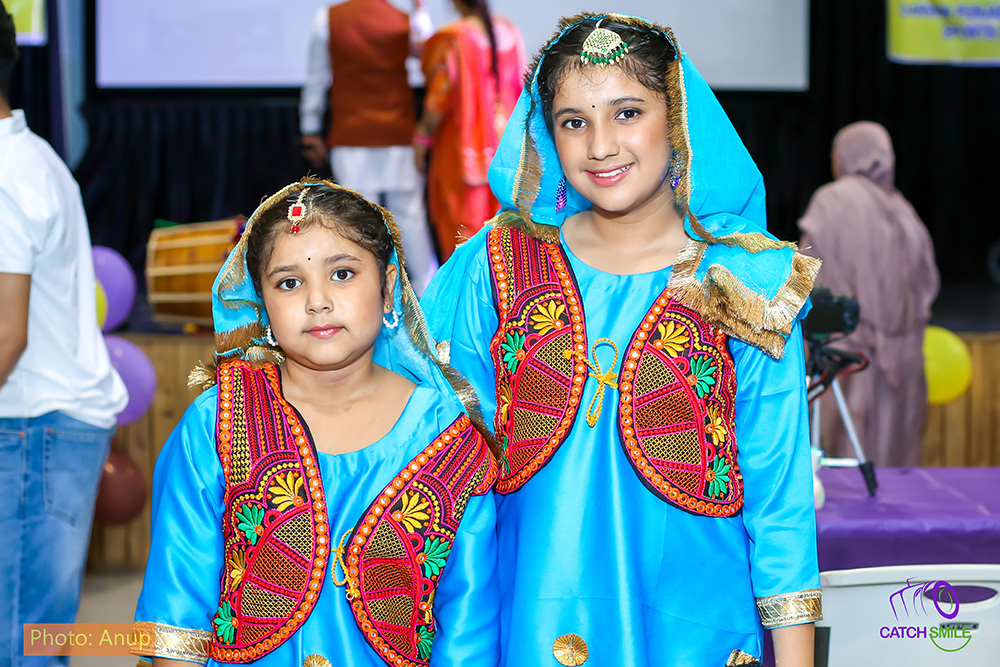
{"points": [[565, 290], [630, 441], [466, 448], [307, 458]]}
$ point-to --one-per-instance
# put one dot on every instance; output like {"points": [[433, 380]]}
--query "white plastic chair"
{"points": [[861, 606]]}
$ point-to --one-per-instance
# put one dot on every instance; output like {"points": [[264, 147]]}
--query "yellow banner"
{"points": [[955, 32], [29, 21]]}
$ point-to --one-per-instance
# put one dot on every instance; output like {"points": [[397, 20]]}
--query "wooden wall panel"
{"points": [[173, 357], [966, 432]]}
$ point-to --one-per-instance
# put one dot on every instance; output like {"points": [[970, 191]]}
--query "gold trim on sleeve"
{"points": [[570, 650], [167, 641], [790, 608]]}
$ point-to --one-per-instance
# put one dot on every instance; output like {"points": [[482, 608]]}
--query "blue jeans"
{"points": [[50, 468]]}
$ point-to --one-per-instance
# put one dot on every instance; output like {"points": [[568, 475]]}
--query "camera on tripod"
{"points": [[831, 314], [834, 314]]}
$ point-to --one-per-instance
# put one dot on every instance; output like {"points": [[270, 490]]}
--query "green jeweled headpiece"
{"points": [[603, 47]]}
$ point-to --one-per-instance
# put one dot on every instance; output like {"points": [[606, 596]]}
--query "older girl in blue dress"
{"points": [[632, 330], [326, 501]]}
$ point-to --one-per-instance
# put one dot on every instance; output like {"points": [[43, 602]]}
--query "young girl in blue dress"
{"points": [[633, 333], [326, 501]]}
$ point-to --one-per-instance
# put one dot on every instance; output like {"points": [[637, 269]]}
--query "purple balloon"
{"points": [[118, 281], [136, 372]]}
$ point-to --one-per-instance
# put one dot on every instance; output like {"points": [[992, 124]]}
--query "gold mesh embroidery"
{"points": [[790, 608], [171, 642]]}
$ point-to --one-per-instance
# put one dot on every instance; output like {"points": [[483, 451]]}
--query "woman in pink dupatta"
{"points": [[874, 247], [474, 68]]}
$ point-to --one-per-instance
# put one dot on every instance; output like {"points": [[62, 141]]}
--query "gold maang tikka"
{"points": [[297, 211], [603, 47]]}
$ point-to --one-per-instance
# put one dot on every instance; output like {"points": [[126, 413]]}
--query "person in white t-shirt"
{"points": [[59, 394]]}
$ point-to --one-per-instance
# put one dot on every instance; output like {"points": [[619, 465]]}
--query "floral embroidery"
{"points": [[260, 441], [702, 376], [694, 389], [673, 338], [237, 566], [504, 460], [285, 491], [503, 401], [715, 425], [394, 565], [251, 522], [433, 556], [548, 316], [718, 477], [513, 350], [411, 513], [424, 639], [536, 298], [427, 608], [226, 630]]}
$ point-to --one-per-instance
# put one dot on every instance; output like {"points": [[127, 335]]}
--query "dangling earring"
{"points": [[674, 172], [561, 194], [395, 320], [269, 337]]}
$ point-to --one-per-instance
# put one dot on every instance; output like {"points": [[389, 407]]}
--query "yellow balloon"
{"points": [[102, 304], [948, 365]]}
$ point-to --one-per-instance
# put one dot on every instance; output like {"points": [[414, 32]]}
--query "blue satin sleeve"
{"points": [[459, 308], [183, 574], [772, 433], [467, 602]]}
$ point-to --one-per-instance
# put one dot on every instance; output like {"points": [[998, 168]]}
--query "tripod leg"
{"points": [[814, 426], [866, 466]]}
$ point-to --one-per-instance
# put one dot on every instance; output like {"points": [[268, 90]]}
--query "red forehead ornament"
{"points": [[297, 211]]}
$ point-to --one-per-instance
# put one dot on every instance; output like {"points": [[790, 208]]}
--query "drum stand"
{"points": [[825, 364]]}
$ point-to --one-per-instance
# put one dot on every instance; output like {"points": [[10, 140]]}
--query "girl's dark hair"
{"points": [[349, 214], [649, 56], [482, 10], [8, 50]]}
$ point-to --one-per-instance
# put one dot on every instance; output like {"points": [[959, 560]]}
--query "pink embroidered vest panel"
{"points": [[677, 386], [398, 550], [275, 531]]}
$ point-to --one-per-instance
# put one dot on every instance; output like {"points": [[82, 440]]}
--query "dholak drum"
{"points": [[181, 265]]}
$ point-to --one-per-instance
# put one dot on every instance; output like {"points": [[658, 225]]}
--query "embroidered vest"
{"points": [[276, 544], [677, 387], [371, 102]]}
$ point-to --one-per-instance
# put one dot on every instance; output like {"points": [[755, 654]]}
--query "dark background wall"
{"points": [[190, 160]]}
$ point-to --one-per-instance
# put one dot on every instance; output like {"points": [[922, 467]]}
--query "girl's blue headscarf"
{"points": [[239, 317], [719, 194], [719, 181]]}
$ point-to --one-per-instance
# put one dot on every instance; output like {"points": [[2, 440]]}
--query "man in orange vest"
{"points": [[359, 50]]}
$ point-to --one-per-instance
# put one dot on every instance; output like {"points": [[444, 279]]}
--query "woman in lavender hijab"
{"points": [[874, 247]]}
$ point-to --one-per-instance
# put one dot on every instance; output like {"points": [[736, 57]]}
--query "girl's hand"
{"points": [[420, 152]]}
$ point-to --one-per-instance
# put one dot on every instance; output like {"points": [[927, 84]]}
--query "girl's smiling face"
{"points": [[324, 298], [611, 135]]}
